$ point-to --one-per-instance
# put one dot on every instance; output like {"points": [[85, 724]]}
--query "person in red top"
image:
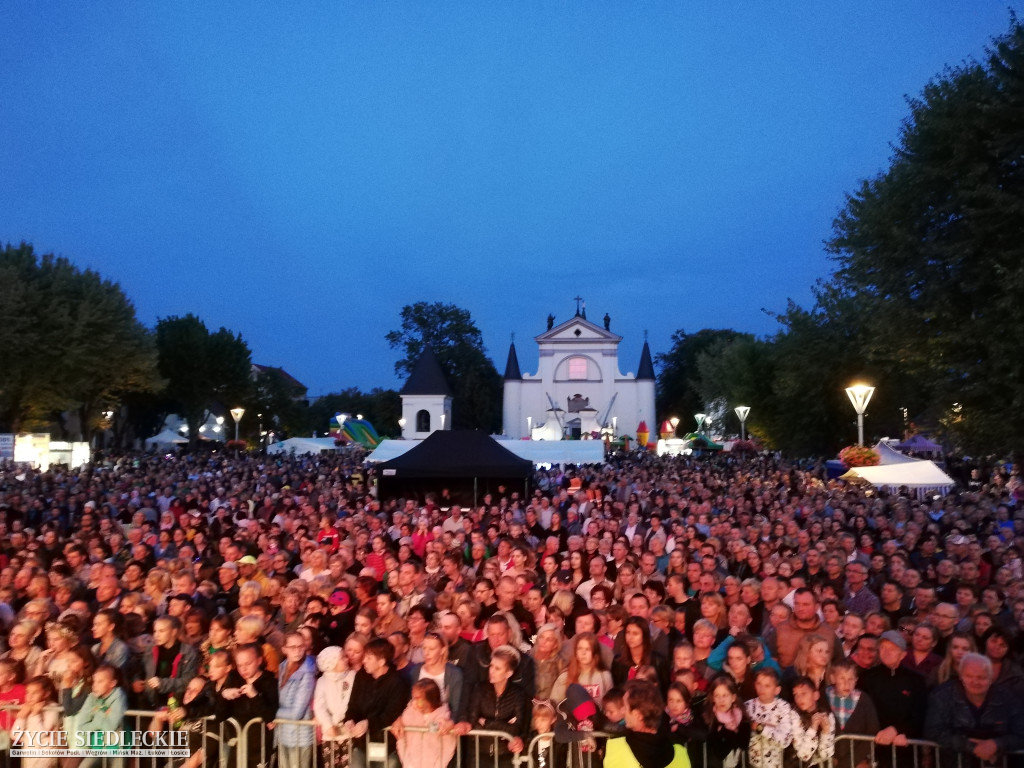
{"points": [[12, 691], [327, 536]]}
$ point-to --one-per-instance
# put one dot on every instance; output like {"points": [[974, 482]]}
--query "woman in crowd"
{"points": [[813, 656], [447, 676], [110, 648], [586, 668], [21, 645], [296, 681], [547, 659], [637, 653], [221, 639], [959, 645], [499, 704]]}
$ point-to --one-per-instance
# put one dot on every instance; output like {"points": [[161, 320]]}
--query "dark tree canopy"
{"points": [[932, 250], [69, 341], [450, 331], [202, 369]]}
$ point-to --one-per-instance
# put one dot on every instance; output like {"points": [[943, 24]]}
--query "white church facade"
{"points": [[578, 388]]}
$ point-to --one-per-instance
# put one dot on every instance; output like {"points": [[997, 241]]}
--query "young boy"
{"points": [[614, 707], [854, 712], [771, 721]]}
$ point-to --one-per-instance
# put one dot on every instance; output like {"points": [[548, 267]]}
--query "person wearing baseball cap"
{"points": [[899, 695]]}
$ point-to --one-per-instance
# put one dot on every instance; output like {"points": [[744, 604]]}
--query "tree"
{"points": [[381, 407], [933, 248], [202, 368], [69, 341], [280, 400], [450, 331], [678, 384]]}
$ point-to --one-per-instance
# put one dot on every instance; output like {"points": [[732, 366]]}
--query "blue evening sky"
{"points": [[299, 171]]}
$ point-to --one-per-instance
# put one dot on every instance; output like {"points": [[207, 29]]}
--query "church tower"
{"points": [[426, 398], [513, 398]]}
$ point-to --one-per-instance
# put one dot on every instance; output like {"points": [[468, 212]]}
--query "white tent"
{"points": [[166, 439], [557, 451], [303, 445], [898, 470], [537, 451], [391, 449]]}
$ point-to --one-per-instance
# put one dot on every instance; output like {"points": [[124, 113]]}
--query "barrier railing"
{"points": [[298, 744]]}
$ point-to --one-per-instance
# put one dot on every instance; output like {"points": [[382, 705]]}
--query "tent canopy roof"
{"points": [[455, 454]]}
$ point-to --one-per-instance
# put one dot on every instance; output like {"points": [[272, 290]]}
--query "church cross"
{"points": [[578, 299]]}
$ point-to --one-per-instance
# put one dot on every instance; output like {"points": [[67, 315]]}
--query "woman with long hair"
{"points": [[586, 668], [727, 723], [813, 660], [578, 568], [676, 562], [548, 663], [626, 582], [959, 645], [637, 653]]}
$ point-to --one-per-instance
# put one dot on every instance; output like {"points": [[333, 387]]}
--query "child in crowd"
{"points": [[38, 715], [12, 693], [104, 707], [614, 708], [771, 719], [543, 741], [814, 729], [435, 748], [682, 725], [727, 723], [854, 714]]}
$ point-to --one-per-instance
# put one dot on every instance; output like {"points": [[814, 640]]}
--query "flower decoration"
{"points": [[859, 456]]}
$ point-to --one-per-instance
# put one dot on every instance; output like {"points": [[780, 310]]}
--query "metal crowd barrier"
{"points": [[298, 744]]}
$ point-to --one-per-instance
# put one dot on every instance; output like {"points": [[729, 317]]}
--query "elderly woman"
{"points": [[21, 645]]}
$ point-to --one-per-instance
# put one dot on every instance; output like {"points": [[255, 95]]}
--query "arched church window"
{"points": [[423, 421], [578, 368]]}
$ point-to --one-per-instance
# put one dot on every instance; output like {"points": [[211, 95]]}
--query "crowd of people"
{"points": [[697, 611]]}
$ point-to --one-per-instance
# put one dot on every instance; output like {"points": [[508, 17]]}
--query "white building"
{"points": [[578, 387], [426, 399]]}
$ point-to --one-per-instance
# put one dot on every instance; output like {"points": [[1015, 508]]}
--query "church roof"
{"points": [[578, 329], [646, 369], [512, 372], [426, 378]]}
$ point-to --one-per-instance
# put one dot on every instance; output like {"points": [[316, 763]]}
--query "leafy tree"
{"points": [[381, 407], [678, 385], [450, 331], [202, 368], [280, 400], [69, 341], [933, 249]]}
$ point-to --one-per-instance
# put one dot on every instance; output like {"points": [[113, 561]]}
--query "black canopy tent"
{"points": [[468, 463]]}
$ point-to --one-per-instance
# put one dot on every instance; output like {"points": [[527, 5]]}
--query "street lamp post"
{"points": [[742, 411], [401, 425], [859, 395], [236, 414], [674, 421], [700, 417]]}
